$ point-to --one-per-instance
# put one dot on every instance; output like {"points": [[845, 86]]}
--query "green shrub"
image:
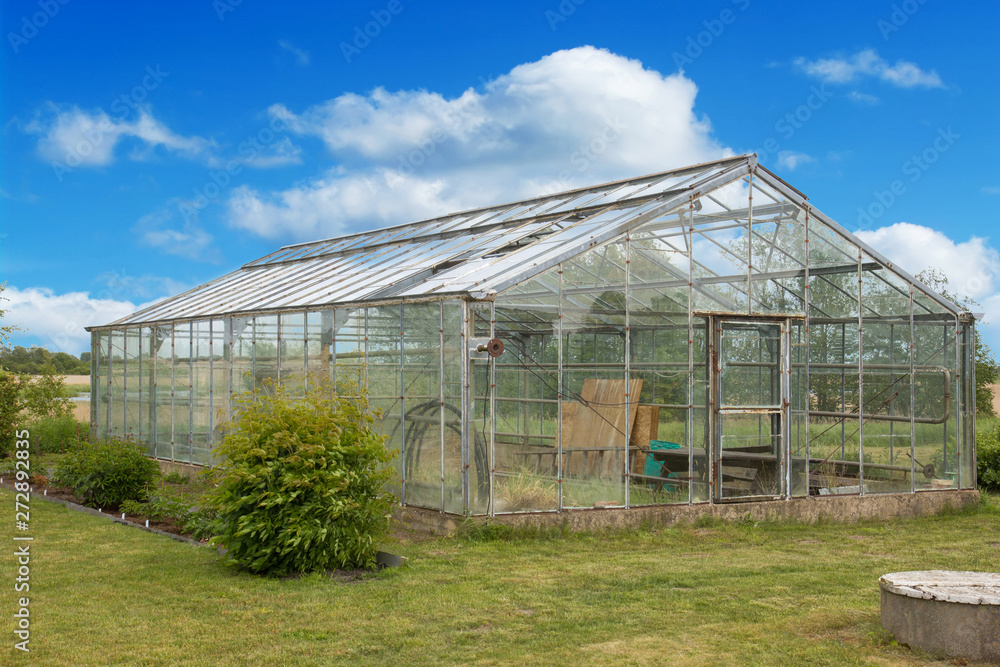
{"points": [[57, 434], [301, 486], [10, 409], [107, 472], [988, 459]]}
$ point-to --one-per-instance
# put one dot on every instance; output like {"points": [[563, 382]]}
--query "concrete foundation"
{"points": [[952, 613], [167, 467], [841, 509]]}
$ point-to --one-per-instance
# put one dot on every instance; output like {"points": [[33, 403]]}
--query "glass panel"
{"points": [[384, 365], [132, 356], [967, 460], [798, 436], [935, 387], [292, 348], [422, 404], [163, 391], [265, 349], [599, 403], [750, 360], [116, 404], [221, 354], [833, 419], [241, 378], [182, 390], [147, 417], [748, 463], [453, 358], [527, 387], [201, 392]]}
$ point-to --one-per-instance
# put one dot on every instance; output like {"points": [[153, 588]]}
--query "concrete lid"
{"points": [[945, 585]]}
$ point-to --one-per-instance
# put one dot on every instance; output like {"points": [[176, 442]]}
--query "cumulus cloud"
{"points": [[74, 137], [301, 57], [58, 320], [790, 160], [572, 118], [972, 267], [867, 63], [186, 239]]}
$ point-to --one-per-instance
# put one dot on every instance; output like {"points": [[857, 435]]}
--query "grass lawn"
{"points": [[716, 594]]}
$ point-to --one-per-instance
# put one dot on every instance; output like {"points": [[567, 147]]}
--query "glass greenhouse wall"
{"points": [[700, 335]]}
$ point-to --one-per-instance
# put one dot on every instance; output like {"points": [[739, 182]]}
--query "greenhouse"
{"points": [[701, 335]]}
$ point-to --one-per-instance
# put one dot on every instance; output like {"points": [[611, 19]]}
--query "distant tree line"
{"points": [[38, 360]]}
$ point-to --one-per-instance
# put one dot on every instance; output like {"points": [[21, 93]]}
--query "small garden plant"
{"points": [[302, 483]]}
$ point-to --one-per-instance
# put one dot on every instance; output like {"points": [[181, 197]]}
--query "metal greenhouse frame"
{"points": [[701, 335]]}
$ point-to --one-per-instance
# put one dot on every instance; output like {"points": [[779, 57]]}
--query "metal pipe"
{"points": [[898, 418]]}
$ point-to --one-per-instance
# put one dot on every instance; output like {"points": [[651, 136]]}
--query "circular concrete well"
{"points": [[940, 611]]}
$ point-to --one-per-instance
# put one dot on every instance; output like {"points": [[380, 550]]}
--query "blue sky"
{"points": [[149, 149]]}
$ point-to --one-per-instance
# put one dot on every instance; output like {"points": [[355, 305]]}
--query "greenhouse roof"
{"points": [[472, 253]]}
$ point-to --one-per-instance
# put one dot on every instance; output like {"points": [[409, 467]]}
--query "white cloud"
{"points": [[991, 190], [188, 240], [790, 160], [74, 137], [59, 319], [277, 154], [301, 57], [972, 267], [867, 62], [573, 118], [863, 98]]}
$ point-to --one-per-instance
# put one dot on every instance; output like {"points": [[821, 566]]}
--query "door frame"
{"points": [[782, 411]]}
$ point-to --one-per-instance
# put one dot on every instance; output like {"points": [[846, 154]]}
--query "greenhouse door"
{"points": [[751, 375]]}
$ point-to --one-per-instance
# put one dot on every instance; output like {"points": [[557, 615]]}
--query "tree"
{"points": [[5, 329], [987, 368]]}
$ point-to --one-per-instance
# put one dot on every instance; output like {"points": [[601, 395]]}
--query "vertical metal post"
{"points": [[785, 392], [805, 389], [627, 476], [466, 404], [843, 388], [173, 411], [107, 428], [892, 375], [861, 384], [125, 382], [402, 407], [750, 245], [689, 421], [191, 329], [95, 344], [913, 405], [959, 402], [211, 387], [441, 411], [277, 344], [559, 395], [492, 369], [140, 411], [154, 423]]}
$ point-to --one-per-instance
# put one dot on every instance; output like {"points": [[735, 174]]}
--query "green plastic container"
{"points": [[655, 468]]}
